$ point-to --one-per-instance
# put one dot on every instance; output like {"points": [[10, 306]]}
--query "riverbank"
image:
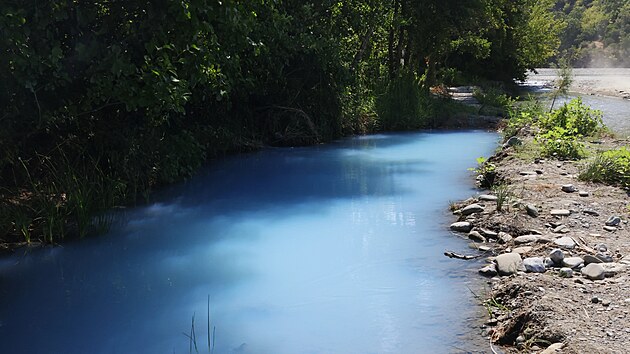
{"points": [[540, 238], [592, 81]]}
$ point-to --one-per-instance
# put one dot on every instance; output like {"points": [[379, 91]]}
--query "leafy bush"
{"points": [[493, 96], [611, 167], [402, 106], [486, 172], [559, 143], [575, 118], [521, 114]]}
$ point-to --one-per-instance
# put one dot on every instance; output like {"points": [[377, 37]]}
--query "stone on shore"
{"points": [[526, 239], [560, 212], [476, 236], [531, 210], [472, 209], [509, 263], [588, 259], [573, 262], [461, 226], [594, 271], [566, 272], [488, 198], [613, 221], [534, 265], [557, 256], [569, 188], [584, 193], [553, 349], [565, 242], [504, 237], [490, 270]]}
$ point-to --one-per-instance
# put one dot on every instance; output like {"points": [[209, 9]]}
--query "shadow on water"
{"points": [[334, 248]]}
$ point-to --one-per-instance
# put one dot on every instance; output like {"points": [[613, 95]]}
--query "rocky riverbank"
{"points": [[558, 252]]}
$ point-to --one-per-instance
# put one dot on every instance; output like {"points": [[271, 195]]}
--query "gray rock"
{"points": [[505, 237], [590, 212], [566, 272], [476, 236], [610, 228], [489, 233], [594, 271], [569, 188], [509, 263], [604, 257], [556, 256], [531, 210], [584, 193], [588, 259], [522, 250], [553, 349], [612, 269], [573, 262], [490, 270], [549, 263], [461, 226], [472, 209], [613, 221], [528, 173], [562, 229], [560, 212], [534, 265], [488, 197], [526, 239], [565, 242], [601, 247], [539, 171]]}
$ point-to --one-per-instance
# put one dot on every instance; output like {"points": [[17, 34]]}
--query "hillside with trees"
{"points": [[597, 32], [103, 101]]}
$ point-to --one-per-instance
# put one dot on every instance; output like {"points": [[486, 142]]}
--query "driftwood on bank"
{"points": [[461, 256]]}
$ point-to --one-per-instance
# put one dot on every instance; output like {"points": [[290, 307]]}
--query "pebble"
{"points": [[572, 262], [560, 212], [556, 256], [528, 173], [565, 242], [488, 197], [531, 210], [534, 265], [610, 228], [590, 212], [523, 250], [488, 233], [613, 221], [583, 193], [562, 229], [594, 271], [526, 239], [461, 226], [490, 270], [509, 263], [472, 209], [504, 237], [476, 236], [569, 188], [566, 272]]}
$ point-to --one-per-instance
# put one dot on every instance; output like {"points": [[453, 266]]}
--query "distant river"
{"points": [[328, 249]]}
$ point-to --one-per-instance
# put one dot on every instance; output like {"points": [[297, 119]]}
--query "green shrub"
{"points": [[559, 143], [521, 114], [575, 118], [402, 105], [610, 167], [493, 96]]}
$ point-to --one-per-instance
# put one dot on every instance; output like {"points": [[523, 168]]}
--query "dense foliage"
{"points": [[101, 101]]}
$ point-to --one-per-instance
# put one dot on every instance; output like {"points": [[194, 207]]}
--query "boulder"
{"points": [[509, 263], [594, 271]]}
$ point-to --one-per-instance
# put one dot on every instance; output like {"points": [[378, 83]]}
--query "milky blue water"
{"points": [[327, 249]]}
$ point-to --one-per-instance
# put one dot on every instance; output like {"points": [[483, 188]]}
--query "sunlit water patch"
{"points": [[328, 249]]}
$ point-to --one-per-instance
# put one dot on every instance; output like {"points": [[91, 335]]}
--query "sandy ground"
{"points": [[606, 82]]}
